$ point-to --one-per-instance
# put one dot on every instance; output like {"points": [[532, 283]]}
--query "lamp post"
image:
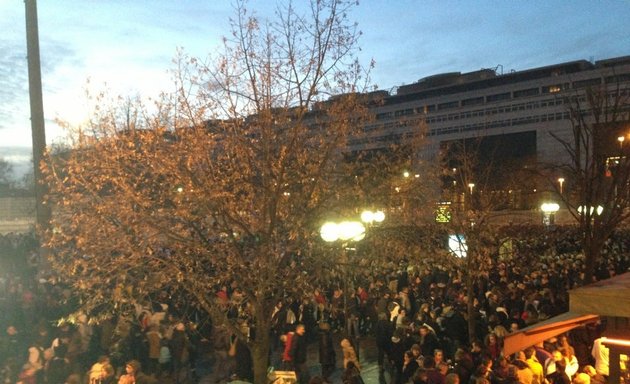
{"points": [[621, 139], [347, 232], [549, 210], [561, 182], [471, 186]]}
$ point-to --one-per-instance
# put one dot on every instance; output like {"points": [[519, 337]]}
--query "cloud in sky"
{"points": [[129, 44]]}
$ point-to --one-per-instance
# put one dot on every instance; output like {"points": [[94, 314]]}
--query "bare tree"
{"points": [[596, 174], [481, 184], [225, 182]]}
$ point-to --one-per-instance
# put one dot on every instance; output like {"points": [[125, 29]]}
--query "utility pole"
{"points": [[37, 112]]}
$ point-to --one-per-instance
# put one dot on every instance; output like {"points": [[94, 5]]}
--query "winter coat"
{"points": [[327, 354], [349, 354]]}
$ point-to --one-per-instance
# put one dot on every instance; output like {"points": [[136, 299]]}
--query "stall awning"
{"points": [[610, 297], [544, 330]]}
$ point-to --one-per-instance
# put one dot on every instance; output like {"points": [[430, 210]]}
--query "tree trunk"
{"points": [[470, 298], [260, 352], [592, 249]]}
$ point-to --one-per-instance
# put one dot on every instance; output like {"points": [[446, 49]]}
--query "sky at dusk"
{"points": [[127, 46]]}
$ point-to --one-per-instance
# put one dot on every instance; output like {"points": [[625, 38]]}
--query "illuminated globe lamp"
{"points": [[344, 231], [549, 210], [370, 217]]}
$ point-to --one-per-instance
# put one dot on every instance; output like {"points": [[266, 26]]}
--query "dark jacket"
{"points": [[327, 354], [429, 344], [384, 332], [408, 371], [351, 375], [298, 349], [58, 371]]}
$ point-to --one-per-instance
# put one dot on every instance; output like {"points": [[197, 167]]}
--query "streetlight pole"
{"points": [[347, 232], [549, 210], [561, 182], [38, 129]]}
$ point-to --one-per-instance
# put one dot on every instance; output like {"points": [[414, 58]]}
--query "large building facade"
{"points": [[521, 108]]}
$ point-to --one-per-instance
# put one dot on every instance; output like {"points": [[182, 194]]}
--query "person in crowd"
{"points": [[559, 376], [438, 357], [58, 368], [569, 357], [483, 371], [550, 363], [351, 374], [596, 378], [513, 376], [477, 352], [428, 340], [409, 368], [96, 371], [286, 352], [493, 345], [108, 375], [397, 350], [180, 353], [244, 368], [524, 373], [542, 354], [134, 375], [327, 356], [452, 378], [383, 336], [154, 340], [535, 366], [433, 375], [601, 355], [463, 365], [581, 378], [349, 354], [401, 320], [28, 375], [298, 354], [500, 368]]}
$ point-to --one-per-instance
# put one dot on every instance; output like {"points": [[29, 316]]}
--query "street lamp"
{"points": [[370, 217], [549, 210], [621, 139], [584, 210], [346, 232], [561, 182], [471, 186]]}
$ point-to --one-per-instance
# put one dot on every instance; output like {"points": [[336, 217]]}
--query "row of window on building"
{"points": [[392, 137], [480, 100]]}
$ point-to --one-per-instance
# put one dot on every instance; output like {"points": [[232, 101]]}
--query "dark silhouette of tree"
{"points": [[596, 170]]}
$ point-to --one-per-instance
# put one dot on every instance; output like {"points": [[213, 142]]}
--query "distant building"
{"points": [[517, 109]]}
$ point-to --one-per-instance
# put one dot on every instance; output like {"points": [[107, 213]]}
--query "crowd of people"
{"points": [[417, 313], [414, 310]]}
